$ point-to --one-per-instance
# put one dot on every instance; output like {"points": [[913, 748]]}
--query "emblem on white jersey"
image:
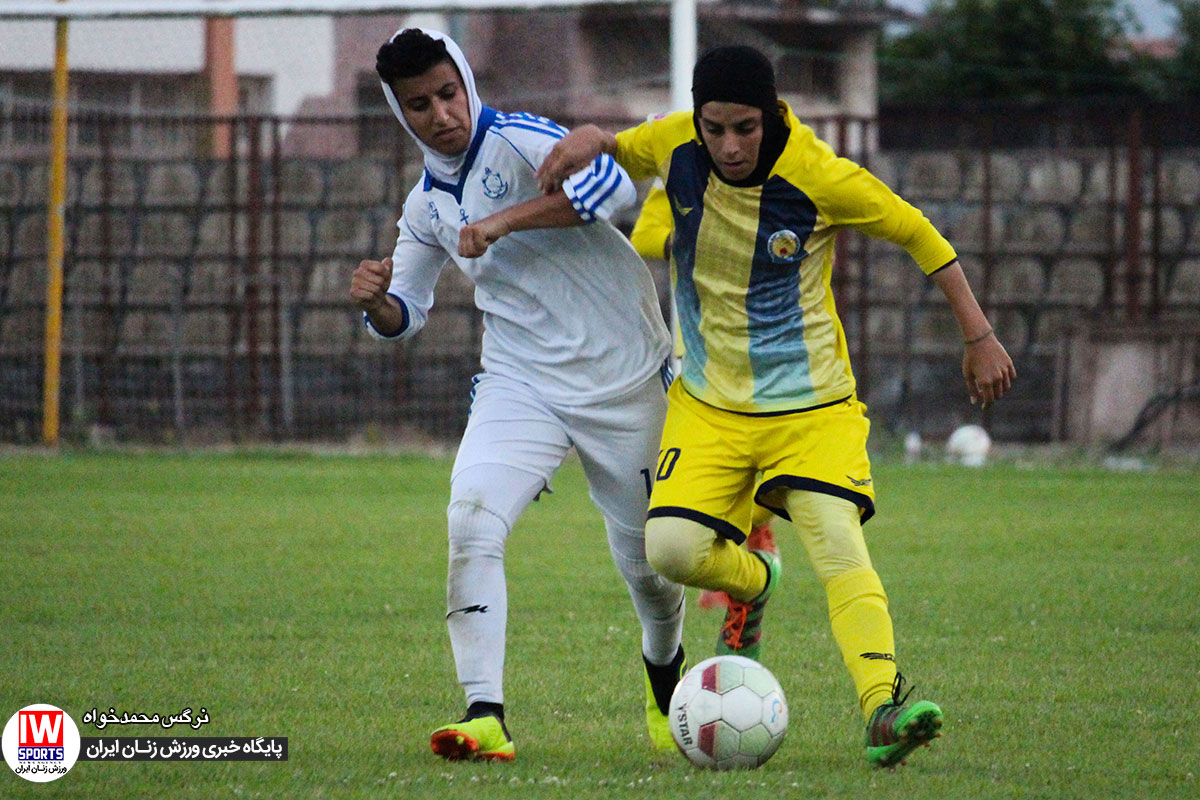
{"points": [[433, 212], [784, 247], [494, 186]]}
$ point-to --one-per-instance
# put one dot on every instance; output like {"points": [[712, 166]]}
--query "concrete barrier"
{"points": [[340, 231], [1054, 179], [1018, 279], [1185, 284], [1041, 226], [360, 182], [932, 176], [301, 182], [167, 234], [172, 184], [1181, 178], [31, 235], [10, 184], [1076, 280]]}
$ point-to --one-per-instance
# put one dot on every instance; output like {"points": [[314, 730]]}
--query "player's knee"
{"points": [[475, 529], [628, 548], [496, 489], [663, 596], [676, 547], [629, 554]]}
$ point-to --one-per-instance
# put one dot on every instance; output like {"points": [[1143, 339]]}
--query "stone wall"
{"points": [[194, 309]]}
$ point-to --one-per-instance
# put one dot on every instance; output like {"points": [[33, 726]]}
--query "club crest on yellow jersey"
{"points": [[784, 247]]}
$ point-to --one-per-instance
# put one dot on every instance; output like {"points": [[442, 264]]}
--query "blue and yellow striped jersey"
{"points": [[751, 265]]}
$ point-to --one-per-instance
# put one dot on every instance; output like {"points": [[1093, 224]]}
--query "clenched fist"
{"points": [[369, 284], [572, 153], [475, 239]]}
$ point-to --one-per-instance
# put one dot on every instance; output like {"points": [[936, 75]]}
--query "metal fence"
{"points": [[1071, 217], [206, 299]]}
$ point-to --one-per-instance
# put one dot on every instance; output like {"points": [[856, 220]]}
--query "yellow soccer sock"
{"points": [[690, 553], [862, 629], [732, 569]]}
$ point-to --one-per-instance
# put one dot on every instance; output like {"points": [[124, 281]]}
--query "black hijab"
{"points": [[741, 74]]}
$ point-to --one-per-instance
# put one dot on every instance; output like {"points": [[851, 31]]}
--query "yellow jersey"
{"points": [[653, 226], [751, 266]]}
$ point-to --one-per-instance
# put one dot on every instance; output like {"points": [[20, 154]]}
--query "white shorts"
{"points": [[617, 440]]}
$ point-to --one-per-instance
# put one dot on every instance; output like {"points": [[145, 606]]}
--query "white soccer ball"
{"points": [[728, 712], [969, 445]]}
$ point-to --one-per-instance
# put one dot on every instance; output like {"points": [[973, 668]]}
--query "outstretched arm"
{"points": [[988, 370], [547, 211]]}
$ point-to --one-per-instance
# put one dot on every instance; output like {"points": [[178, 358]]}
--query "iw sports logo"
{"points": [[39, 736], [41, 742]]}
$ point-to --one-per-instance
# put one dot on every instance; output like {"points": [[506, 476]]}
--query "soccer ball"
{"points": [[969, 445], [728, 712]]}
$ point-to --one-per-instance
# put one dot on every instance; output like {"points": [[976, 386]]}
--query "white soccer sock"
{"points": [[484, 502], [477, 600], [658, 602]]}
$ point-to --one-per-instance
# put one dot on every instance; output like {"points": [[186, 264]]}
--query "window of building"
{"points": [[104, 107], [808, 73], [25, 109], [376, 131], [158, 113]]}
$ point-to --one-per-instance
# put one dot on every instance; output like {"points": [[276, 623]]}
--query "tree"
{"points": [[1031, 50], [1183, 72]]}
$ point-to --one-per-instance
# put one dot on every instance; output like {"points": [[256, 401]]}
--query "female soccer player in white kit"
{"points": [[574, 354]]}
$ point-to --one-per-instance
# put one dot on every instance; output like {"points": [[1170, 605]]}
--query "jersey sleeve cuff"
{"points": [[937, 254], [936, 270], [378, 334], [599, 190], [572, 191]]}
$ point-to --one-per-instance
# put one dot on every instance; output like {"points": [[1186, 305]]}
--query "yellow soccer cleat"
{"points": [[741, 633], [660, 683], [482, 738]]}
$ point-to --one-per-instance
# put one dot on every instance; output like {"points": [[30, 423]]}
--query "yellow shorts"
{"points": [[710, 460]]}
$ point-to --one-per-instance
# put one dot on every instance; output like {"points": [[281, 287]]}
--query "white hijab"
{"points": [[443, 167]]}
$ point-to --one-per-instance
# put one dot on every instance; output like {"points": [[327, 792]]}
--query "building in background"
{"points": [[205, 292], [612, 64], [615, 62], [596, 63], [146, 67], [280, 61]]}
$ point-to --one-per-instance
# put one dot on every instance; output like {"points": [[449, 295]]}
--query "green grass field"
{"points": [[1053, 612]]}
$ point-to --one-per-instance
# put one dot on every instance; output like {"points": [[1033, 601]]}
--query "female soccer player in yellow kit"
{"points": [[651, 237], [766, 384]]}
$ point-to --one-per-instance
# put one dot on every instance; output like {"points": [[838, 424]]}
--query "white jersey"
{"points": [[570, 311]]}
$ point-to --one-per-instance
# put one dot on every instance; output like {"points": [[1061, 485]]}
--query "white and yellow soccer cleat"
{"points": [[482, 738], [660, 683]]}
